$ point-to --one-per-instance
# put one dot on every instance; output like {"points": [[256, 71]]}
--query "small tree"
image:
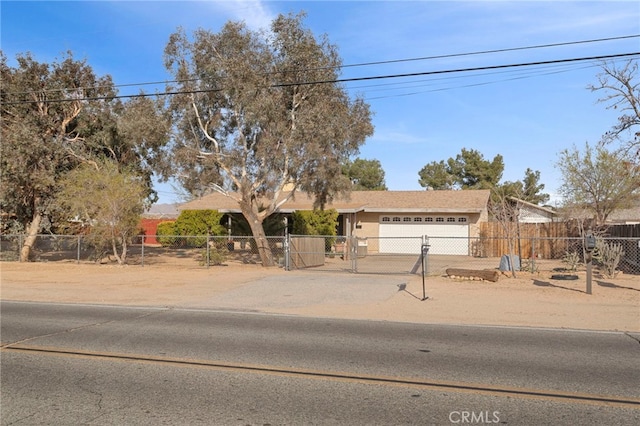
{"points": [[468, 170], [598, 181], [529, 189], [621, 86], [106, 199], [506, 212], [365, 175]]}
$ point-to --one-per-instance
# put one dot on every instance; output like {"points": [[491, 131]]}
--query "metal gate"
{"points": [[353, 254]]}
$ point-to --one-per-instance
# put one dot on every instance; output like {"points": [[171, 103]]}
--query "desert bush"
{"points": [[608, 256], [218, 252], [572, 259]]}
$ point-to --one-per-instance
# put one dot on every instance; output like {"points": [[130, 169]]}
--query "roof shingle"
{"points": [[464, 201]]}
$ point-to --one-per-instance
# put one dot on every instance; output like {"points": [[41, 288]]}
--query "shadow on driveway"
{"points": [[548, 284], [612, 285]]}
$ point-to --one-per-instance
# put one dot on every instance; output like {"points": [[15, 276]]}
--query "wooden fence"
{"points": [[624, 231], [540, 240]]}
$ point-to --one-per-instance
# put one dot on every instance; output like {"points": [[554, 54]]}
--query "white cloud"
{"points": [[254, 13]]}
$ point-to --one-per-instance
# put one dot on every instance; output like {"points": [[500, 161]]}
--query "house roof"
{"points": [[534, 207], [630, 215], [467, 201], [162, 211]]}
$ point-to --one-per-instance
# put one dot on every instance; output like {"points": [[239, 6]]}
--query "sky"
{"points": [[526, 114]]}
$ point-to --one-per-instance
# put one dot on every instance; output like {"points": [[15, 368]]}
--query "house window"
{"points": [[462, 219], [439, 219]]}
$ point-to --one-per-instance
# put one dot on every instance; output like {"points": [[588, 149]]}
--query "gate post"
{"points": [[142, 251], [353, 253], [287, 252], [208, 253], [424, 253]]}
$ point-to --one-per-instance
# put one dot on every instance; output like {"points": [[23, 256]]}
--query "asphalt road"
{"points": [[102, 365]]}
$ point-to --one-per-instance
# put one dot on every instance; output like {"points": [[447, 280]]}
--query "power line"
{"points": [[483, 52], [346, 80], [484, 68], [362, 64], [463, 86]]}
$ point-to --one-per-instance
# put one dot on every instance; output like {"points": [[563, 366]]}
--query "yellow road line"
{"points": [[449, 386]]}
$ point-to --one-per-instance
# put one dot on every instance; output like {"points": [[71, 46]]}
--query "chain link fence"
{"points": [[391, 255]]}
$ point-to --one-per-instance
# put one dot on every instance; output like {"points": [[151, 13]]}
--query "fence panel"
{"points": [[361, 255], [206, 251], [307, 251], [388, 255], [10, 247]]}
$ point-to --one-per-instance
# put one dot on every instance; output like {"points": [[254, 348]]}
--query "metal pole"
{"points": [[142, 252], [424, 250], [287, 252], [78, 255], [589, 272], [533, 254], [353, 252], [208, 251]]}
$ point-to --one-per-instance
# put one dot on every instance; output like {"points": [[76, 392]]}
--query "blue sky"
{"points": [[527, 115]]}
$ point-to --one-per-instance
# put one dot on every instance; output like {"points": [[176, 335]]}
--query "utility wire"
{"points": [[362, 64], [464, 86], [483, 52], [542, 70], [345, 80], [484, 68]]}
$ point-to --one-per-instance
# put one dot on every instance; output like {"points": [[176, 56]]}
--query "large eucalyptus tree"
{"points": [[57, 116], [40, 138], [260, 115]]}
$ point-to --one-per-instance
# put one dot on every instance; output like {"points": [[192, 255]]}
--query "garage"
{"points": [[403, 234]]}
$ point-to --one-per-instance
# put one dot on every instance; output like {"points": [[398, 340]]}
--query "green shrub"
{"points": [[166, 234], [197, 224], [316, 222]]}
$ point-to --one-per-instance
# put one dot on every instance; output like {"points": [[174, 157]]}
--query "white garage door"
{"points": [[402, 234]]}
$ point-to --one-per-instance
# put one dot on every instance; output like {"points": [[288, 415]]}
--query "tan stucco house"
{"points": [[386, 217]]}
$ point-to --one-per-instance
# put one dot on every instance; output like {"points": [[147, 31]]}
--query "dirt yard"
{"points": [[533, 300]]}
